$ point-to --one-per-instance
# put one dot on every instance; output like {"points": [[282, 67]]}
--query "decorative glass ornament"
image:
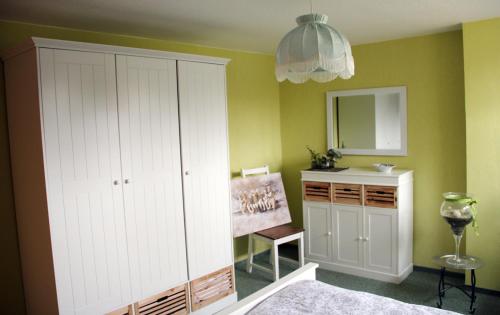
{"points": [[458, 209]]}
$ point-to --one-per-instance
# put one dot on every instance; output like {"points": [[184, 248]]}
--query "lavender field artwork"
{"points": [[258, 203]]}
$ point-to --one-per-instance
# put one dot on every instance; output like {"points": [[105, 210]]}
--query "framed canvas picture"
{"points": [[258, 203]]}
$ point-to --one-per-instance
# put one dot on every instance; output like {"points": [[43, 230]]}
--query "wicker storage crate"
{"points": [[211, 288], [347, 194], [317, 191], [126, 310], [381, 196], [173, 301]]}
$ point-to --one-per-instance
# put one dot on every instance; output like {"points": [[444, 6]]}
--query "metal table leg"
{"points": [[441, 289], [472, 309]]}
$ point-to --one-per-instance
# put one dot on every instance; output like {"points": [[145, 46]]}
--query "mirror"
{"points": [[367, 121]]}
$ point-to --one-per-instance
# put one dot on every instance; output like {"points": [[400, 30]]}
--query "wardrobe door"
{"points": [[151, 167], [202, 103], [82, 165]]}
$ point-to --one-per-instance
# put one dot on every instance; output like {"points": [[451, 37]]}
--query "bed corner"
{"points": [[307, 272]]}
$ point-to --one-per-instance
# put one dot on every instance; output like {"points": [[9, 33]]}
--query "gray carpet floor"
{"points": [[419, 288]]}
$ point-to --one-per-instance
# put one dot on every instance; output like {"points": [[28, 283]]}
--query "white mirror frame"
{"points": [[401, 90]]}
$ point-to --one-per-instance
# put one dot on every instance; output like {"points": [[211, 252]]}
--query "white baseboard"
{"points": [[376, 275]]}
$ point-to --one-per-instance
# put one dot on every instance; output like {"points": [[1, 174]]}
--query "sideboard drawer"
{"points": [[317, 191], [347, 194], [381, 196]]}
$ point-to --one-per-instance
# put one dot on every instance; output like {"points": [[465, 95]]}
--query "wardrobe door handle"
{"points": [[329, 233], [116, 182], [126, 181], [187, 172]]}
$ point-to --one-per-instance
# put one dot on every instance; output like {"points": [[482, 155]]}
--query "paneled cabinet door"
{"points": [[318, 226], [380, 239], [347, 238], [202, 104], [152, 183], [82, 161]]}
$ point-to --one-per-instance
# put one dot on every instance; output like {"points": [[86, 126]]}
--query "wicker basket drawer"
{"points": [[211, 288], [381, 196], [347, 194], [317, 191], [173, 301]]}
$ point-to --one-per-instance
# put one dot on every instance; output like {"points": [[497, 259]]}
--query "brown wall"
{"points": [[11, 291]]}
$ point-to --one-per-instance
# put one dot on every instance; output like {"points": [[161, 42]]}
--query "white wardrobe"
{"points": [[121, 179]]}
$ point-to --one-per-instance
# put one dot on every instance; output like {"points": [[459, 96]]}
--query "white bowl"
{"points": [[383, 167]]}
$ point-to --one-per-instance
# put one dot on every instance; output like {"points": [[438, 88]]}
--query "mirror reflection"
{"points": [[368, 121]]}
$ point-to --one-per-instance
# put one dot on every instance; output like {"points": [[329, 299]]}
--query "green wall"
{"points": [[254, 127], [482, 106], [432, 69]]}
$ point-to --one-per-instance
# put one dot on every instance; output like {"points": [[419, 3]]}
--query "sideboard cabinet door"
{"points": [[152, 183], [82, 161], [348, 231], [203, 119], [318, 226], [380, 242]]}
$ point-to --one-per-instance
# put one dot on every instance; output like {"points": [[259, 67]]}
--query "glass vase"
{"points": [[457, 210]]}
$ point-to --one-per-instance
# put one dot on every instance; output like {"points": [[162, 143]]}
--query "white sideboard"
{"points": [[360, 222]]}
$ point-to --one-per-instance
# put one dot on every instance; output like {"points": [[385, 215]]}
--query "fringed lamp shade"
{"points": [[313, 50]]}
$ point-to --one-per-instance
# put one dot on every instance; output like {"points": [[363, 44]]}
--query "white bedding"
{"points": [[314, 297]]}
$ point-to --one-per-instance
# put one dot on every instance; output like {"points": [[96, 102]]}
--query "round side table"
{"points": [[470, 263]]}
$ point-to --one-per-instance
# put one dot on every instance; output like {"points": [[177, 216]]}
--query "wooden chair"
{"points": [[274, 236]]}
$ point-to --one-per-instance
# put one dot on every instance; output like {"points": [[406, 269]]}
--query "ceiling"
{"points": [[251, 25]]}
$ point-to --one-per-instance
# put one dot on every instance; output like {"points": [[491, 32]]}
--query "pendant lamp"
{"points": [[313, 50]]}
